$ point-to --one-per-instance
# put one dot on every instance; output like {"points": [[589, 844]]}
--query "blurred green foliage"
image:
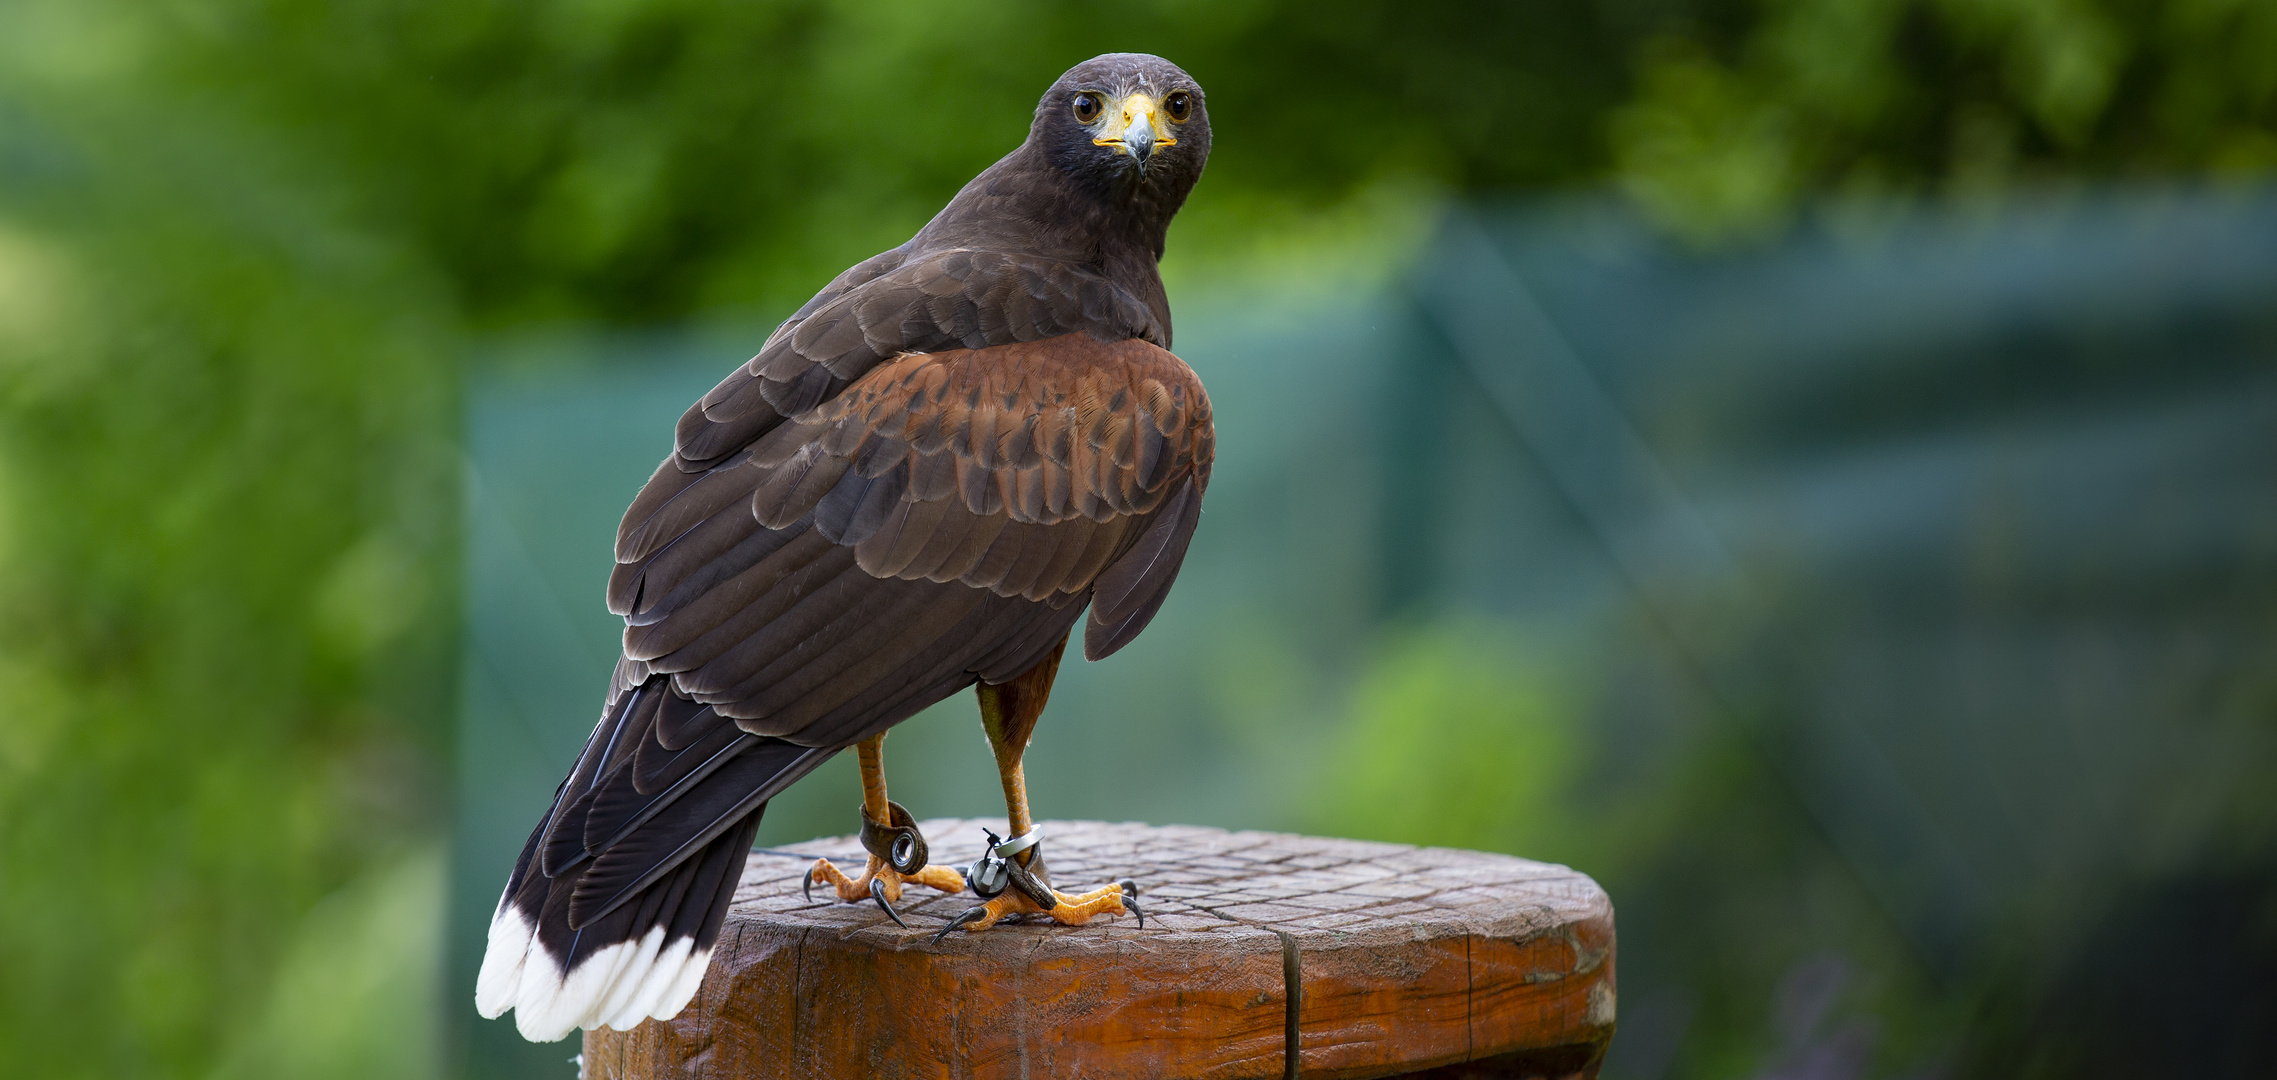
{"points": [[1509, 764], [1457, 735], [1733, 119], [243, 246], [229, 523]]}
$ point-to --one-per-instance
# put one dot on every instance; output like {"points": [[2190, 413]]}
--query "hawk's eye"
{"points": [[1179, 105], [1088, 107]]}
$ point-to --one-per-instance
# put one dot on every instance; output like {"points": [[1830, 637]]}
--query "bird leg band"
{"points": [[1000, 865], [1030, 879], [898, 843]]}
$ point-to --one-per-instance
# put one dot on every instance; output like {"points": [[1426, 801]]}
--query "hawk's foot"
{"points": [[897, 857], [1012, 887], [879, 882]]}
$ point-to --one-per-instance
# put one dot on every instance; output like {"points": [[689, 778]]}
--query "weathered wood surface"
{"points": [[1409, 959]]}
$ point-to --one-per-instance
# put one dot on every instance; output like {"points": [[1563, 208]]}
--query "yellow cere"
{"points": [[1134, 117]]}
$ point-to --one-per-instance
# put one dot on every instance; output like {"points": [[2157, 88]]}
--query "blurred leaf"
{"points": [[367, 952], [1731, 126], [371, 595], [1456, 736]]}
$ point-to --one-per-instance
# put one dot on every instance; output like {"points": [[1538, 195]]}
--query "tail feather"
{"points": [[622, 931], [645, 959]]}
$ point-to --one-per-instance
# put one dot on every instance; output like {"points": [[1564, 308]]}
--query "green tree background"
{"points": [[246, 247]]}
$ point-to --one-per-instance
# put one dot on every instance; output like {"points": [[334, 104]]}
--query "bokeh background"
{"points": [[1811, 464]]}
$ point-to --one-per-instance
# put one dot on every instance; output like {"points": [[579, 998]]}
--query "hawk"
{"points": [[919, 484]]}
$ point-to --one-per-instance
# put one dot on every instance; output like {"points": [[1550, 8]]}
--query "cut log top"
{"points": [[1401, 959]]}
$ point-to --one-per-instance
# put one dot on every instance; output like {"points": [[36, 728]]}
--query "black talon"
{"points": [[968, 915], [877, 893], [806, 885], [1130, 900]]}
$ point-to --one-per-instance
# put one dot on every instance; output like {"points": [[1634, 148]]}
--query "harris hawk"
{"points": [[919, 484]]}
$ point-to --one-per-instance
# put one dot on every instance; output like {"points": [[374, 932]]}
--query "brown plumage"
{"points": [[919, 482], [836, 553]]}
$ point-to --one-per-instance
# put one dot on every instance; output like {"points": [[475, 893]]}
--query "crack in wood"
{"points": [[1293, 991]]}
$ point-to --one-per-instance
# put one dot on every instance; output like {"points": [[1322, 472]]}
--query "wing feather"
{"points": [[804, 566], [892, 305], [1132, 589], [809, 601]]}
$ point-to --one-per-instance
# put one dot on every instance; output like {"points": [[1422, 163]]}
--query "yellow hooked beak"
{"points": [[1134, 126]]}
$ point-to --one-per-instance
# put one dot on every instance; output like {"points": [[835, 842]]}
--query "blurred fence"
{"points": [[1964, 523], [1894, 601]]}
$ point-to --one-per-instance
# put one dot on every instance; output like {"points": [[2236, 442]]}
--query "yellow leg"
{"points": [[1008, 712], [871, 751], [874, 803]]}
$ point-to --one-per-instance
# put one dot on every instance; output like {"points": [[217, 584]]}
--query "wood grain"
{"points": [[1411, 959]]}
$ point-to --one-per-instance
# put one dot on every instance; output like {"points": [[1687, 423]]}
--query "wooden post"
{"points": [[1372, 959]]}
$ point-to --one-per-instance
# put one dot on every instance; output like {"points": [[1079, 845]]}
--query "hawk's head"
{"points": [[1126, 121]]}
